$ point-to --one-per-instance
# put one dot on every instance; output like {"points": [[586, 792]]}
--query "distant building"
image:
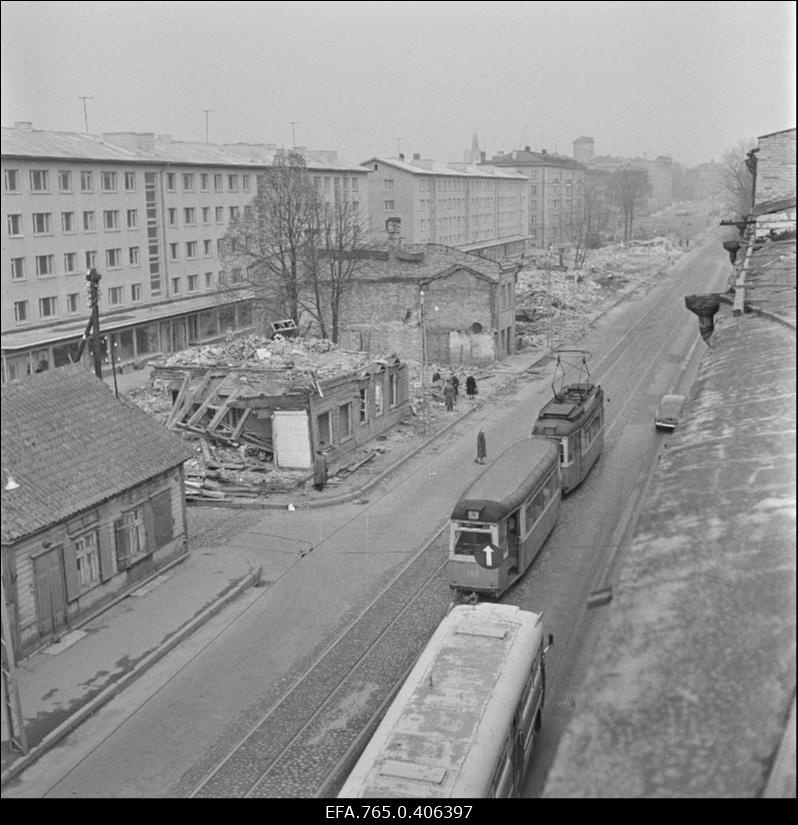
{"points": [[555, 192], [98, 507], [474, 208], [148, 213], [428, 300]]}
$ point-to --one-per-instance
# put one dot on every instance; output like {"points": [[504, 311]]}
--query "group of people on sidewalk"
{"points": [[451, 388]]}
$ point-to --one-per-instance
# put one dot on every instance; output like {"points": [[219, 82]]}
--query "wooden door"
{"points": [[50, 592]]}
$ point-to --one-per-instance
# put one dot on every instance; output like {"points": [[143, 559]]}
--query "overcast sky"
{"points": [[686, 79]]}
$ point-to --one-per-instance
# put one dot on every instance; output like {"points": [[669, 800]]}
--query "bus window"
{"points": [[469, 539]]}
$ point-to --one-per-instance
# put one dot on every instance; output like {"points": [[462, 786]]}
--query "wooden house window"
{"points": [[345, 420], [394, 390], [378, 402], [364, 414], [87, 560]]}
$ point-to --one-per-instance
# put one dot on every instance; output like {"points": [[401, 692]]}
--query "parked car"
{"points": [[669, 412]]}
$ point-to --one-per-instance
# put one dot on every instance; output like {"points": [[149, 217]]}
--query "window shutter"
{"points": [[149, 528], [71, 573], [105, 537], [122, 539]]}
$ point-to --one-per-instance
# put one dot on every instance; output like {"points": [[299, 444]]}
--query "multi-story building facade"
{"points": [[470, 207], [555, 191], [148, 213]]}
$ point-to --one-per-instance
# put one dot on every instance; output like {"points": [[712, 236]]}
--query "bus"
{"points": [[503, 518], [464, 721]]}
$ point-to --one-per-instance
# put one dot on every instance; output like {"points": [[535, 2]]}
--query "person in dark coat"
{"points": [[471, 386], [456, 384], [482, 450], [448, 395], [319, 471]]}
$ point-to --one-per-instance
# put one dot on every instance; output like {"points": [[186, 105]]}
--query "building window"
{"points": [[364, 409], [17, 269], [39, 180], [235, 275], [116, 294], [86, 181], [378, 406], [219, 214], [324, 429], [204, 182], [208, 280], [172, 216], [131, 538], [394, 390], [135, 293], [65, 181], [188, 182], [132, 218], [234, 211], [47, 307], [245, 183], [191, 250], [130, 181], [109, 181], [113, 258], [45, 266], [11, 180], [89, 224], [111, 219], [133, 255], [20, 311], [388, 184], [73, 302], [170, 181], [189, 216], [70, 263], [87, 560], [217, 183], [207, 248], [389, 206], [174, 252], [41, 223], [345, 420], [193, 283], [232, 183], [67, 222], [91, 259], [206, 214], [175, 286], [15, 225]]}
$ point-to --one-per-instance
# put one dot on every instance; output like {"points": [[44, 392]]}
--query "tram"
{"points": [[502, 520], [573, 419], [466, 717]]}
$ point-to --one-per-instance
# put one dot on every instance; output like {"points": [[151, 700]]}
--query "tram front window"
{"points": [[467, 541]]}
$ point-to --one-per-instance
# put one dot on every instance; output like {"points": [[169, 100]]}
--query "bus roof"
{"points": [[508, 480], [444, 732]]}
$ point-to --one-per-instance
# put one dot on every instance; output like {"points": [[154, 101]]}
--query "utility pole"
{"points": [[17, 737], [85, 113], [93, 327], [423, 364], [293, 124], [206, 123]]}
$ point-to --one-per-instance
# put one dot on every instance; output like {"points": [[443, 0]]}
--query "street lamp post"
{"points": [[93, 277], [423, 362]]}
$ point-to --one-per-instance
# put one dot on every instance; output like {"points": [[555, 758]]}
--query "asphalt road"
{"points": [[186, 714]]}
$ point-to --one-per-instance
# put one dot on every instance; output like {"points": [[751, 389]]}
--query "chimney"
{"points": [[416, 156], [481, 157], [24, 125], [527, 148], [543, 152], [401, 157]]}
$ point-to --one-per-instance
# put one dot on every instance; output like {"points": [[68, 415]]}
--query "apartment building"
{"points": [[148, 213], [473, 208], [556, 189]]}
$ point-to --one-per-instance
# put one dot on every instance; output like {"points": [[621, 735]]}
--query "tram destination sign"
{"points": [[489, 556]]}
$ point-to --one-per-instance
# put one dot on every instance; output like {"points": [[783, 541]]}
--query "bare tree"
{"points": [[582, 228], [334, 258], [738, 177], [268, 240], [628, 186]]}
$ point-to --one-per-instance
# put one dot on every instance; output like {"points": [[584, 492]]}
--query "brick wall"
{"points": [[776, 166]]}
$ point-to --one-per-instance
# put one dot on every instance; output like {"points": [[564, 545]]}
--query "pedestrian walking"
{"points": [[319, 471], [448, 395], [471, 386], [456, 384], [482, 451]]}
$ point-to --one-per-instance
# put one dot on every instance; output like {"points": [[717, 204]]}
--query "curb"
{"points": [[111, 691]]}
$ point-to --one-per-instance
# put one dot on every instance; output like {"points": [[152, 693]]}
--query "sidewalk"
{"points": [[61, 685]]}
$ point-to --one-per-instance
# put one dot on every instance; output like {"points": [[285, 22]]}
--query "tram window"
{"points": [[467, 541], [503, 778]]}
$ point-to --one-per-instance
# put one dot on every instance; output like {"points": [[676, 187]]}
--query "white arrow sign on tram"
{"points": [[488, 551]]}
